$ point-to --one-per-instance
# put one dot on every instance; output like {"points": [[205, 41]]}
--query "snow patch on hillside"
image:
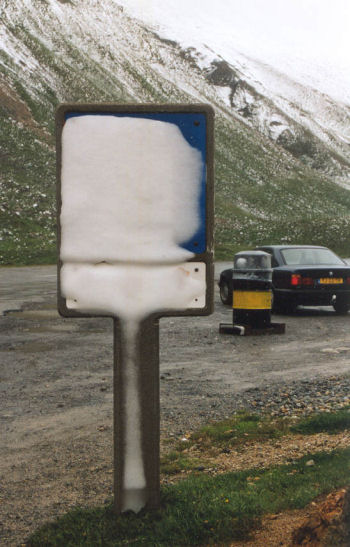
{"points": [[204, 64], [304, 38], [280, 92]]}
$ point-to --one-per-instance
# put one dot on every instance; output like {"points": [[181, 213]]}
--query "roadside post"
{"points": [[135, 239], [252, 296]]}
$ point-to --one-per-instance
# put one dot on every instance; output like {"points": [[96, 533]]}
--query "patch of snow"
{"points": [[127, 169], [224, 93], [130, 193]]}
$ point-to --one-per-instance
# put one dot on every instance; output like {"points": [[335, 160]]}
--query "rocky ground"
{"points": [[317, 525], [56, 390]]}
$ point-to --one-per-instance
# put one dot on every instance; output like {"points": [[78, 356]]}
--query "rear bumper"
{"points": [[311, 297]]}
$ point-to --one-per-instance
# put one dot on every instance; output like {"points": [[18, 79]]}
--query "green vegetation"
{"points": [[202, 509], [241, 429], [257, 204], [175, 461], [27, 210], [325, 422], [317, 229], [245, 427], [224, 435]]}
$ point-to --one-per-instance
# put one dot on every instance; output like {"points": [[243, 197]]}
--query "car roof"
{"points": [[291, 247]]}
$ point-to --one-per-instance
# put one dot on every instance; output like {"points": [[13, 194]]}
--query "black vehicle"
{"points": [[302, 275]]}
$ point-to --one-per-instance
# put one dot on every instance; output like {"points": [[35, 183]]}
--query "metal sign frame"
{"points": [[66, 110], [148, 336]]}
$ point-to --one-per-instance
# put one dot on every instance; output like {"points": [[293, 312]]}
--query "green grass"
{"points": [[243, 428], [324, 423], [239, 429], [175, 462], [233, 432], [245, 233], [202, 509]]}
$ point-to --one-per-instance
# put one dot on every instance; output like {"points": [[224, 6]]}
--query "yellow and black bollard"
{"points": [[252, 295]]}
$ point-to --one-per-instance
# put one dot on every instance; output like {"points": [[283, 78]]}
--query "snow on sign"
{"points": [[135, 216]]}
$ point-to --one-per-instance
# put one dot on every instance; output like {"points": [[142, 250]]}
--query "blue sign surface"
{"points": [[194, 129]]}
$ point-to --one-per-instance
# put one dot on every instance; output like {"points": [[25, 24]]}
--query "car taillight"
{"points": [[307, 281], [295, 280], [348, 280]]}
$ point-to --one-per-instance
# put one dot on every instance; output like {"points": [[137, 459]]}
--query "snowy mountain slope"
{"points": [[307, 40], [307, 123], [275, 176], [273, 101]]}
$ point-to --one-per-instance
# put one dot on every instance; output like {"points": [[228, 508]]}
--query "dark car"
{"points": [[302, 275]]}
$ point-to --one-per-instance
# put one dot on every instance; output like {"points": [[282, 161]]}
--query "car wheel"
{"points": [[225, 293], [342, 307]]}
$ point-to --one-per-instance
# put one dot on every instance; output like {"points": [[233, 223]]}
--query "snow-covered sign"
{"points": [[134, 209], [135, 238]]}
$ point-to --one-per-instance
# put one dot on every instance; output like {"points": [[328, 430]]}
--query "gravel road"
{"points": [[56, 389]]}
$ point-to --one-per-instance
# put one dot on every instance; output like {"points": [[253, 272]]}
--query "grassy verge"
{"points": [[244, 428], [202, 509], [327, 422]]}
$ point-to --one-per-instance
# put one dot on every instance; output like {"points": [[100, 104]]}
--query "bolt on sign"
{"points": [[135, 218]]}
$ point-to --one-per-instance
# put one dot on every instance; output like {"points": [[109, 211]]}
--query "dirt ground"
{"points": [[56, 389]]}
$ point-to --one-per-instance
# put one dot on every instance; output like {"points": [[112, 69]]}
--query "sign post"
{"points": [[147, 360], [135, 218]]}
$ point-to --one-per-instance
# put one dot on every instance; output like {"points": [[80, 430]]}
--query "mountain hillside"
{"points": [[281, 152]]}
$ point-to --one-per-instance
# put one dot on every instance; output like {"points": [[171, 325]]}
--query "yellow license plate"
{"points": [[331, 280]]}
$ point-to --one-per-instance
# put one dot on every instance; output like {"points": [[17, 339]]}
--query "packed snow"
{"points": [[130, 193]]}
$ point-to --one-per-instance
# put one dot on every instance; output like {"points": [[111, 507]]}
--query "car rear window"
{"points": [[310, 256]]}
